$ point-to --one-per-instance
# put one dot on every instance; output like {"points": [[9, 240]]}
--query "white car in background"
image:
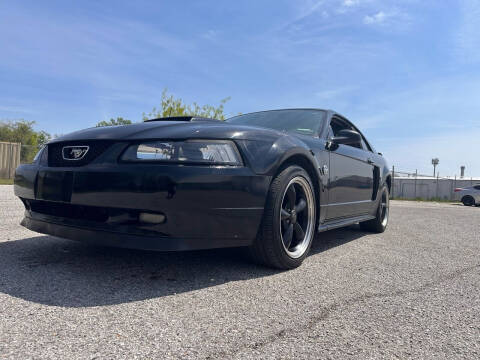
{"points": [[470, 196]]}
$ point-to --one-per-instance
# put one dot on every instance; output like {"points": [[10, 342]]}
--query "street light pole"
{"points": [[435, 162]]}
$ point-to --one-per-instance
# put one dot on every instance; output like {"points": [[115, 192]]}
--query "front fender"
{"points": [[384, 169], [266, 157]]}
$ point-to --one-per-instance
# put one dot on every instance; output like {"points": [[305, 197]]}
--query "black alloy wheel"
{"points": [[289, 221], [296, 217], [379, 224]]}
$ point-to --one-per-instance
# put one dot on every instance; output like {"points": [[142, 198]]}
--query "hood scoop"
{"points": [[184, 118]]}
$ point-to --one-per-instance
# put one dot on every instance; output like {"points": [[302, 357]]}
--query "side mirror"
{"points": [[347, 137]]}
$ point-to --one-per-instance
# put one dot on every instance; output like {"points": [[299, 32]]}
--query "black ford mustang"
{"points": [[267, 180]]}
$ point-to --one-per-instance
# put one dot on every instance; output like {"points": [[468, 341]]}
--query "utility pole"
{"points": [[392, 195], [435, 162], [416, 175]]}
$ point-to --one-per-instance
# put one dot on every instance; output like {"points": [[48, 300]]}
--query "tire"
{"points": [[468, 200], [379, 224], [289, 221]]}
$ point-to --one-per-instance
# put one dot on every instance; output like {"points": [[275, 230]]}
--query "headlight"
{"points": [[214, 152]]}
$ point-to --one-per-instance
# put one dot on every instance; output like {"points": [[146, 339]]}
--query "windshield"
{"points": [[307, 122]]}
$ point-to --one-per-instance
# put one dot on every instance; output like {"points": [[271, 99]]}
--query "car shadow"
{"points": [[460, 204], [57, 272]]}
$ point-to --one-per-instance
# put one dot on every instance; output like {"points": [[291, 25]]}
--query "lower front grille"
{"points": [[95, 149], [93, 217], [79, 212], [107, 215]]}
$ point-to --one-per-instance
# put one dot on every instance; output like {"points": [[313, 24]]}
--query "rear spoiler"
{"points": [[183, 118]]}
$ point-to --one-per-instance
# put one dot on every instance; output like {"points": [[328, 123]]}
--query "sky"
{"points": [[406, 72]]}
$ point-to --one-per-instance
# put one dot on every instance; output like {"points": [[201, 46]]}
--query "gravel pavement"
{"points": [[412, 292]]}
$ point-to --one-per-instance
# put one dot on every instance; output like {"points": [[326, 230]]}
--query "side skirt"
{"points": [[344, 222]]}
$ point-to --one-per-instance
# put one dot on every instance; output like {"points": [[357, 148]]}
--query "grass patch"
{"points": [[6, 181]]}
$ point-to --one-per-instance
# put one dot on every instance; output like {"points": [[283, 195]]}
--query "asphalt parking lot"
{"points": [[412, 292]]}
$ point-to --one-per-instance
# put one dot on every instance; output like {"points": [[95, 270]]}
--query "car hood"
{"points": [[174, 130]]}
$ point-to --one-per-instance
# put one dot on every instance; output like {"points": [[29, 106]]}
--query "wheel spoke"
{"points": [[297, 216], [288, 236], [302, 205], [285, 214], [292, 196], [299, 234]]}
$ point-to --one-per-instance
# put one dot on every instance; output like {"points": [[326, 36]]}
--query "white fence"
{"points": [[430, 188]]}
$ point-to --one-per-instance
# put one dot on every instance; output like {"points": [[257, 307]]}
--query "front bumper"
{"points": [[204, 207]]}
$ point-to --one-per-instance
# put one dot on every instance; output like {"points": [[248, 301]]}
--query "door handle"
{"points": [[370, 161]]}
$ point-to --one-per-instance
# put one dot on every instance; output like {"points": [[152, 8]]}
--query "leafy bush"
{"points": [[170, 106], [22, 131]]}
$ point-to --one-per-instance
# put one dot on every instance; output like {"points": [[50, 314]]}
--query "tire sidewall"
{"points": [[468, 200], [381, 227], [287, 175]]}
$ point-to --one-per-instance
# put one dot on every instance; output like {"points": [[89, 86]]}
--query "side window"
{"points": [[337, 125], [365, 144]]}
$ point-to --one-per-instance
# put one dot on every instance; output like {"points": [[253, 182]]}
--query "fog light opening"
{"points": [[149, 218]]}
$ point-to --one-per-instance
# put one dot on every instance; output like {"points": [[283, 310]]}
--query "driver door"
{"points": [[350, 186]]}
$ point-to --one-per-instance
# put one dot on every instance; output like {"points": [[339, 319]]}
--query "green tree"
{"points": [[170, 106], [22, 131], [43, 137], [114, 122]]}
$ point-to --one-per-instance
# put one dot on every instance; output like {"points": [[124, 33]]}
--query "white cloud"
{"points": [[308, 8], [331, 94], [349, 3], [377, 18], [210, 35]]}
